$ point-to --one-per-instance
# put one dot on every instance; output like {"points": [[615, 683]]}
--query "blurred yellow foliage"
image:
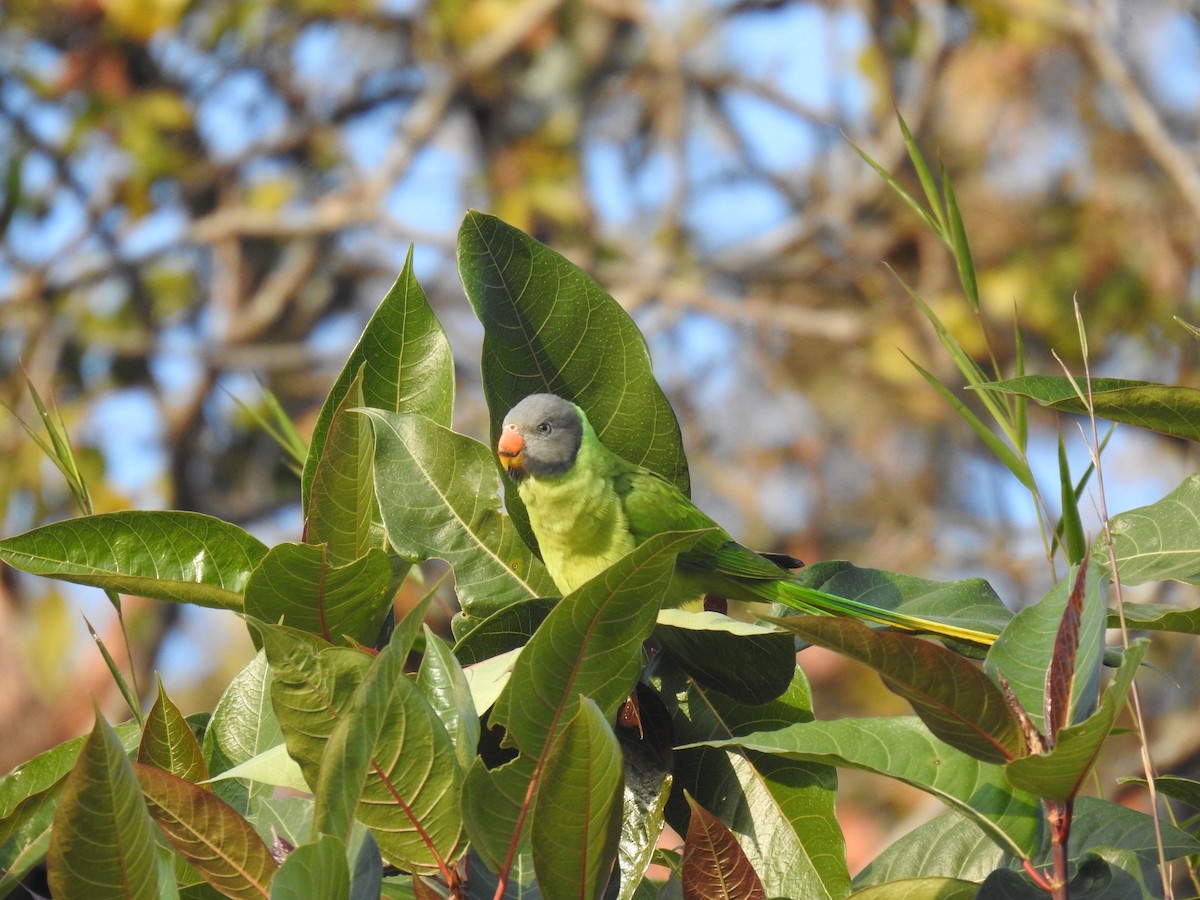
{"points": [[140, 19]]}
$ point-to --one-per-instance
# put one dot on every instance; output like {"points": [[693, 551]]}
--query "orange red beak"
{"points": [[510, 448]]}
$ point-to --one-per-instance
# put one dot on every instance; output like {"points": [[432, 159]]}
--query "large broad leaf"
{"points": [[969, 602], [947, 846], [903, 748], [1165, 408], [181, 557], [406, 366], [781, 809], [243, 725], [312, 870], [440, 497], [1059, 774], [713, 649], [312, 684], [496, 806], [341, 511], [921, 889], [1023, 651], [507, 629], [300, 586], [444, 685], [958, 702], [1157, 617], [390, 763], [103, 842], [209, 834], [577, 814], [646, 747], [169, 743], [591, 644], [1159, 542], [550, 328]]}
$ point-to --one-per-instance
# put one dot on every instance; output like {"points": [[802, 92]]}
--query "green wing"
{"points": [[720, 565]]}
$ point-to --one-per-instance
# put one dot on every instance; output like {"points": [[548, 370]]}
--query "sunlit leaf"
{"points": [[168, 742], [1158, 542], [176, 556], [243, 725], [209, 834], [313, 870], [714, 866]]}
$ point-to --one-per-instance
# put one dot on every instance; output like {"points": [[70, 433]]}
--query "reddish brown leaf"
{"points": [[1061, 673], [714, 866]]}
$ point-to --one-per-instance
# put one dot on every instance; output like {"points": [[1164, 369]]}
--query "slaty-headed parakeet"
{"points": [[588, 507]]}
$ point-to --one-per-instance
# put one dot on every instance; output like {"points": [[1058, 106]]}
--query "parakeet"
{"points": [[589, 507]]}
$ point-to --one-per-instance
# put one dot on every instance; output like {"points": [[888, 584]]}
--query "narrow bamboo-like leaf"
{"points": [[1020, 406], [928, 185], [714, 866], [549, 327], [1025, 648], [958, 702], [577, 813], [341, 511], [128, 694], [1071, 526], [1059, 774], [176, 556], [169, 743], [1159, 542], [314, 870], [300, 586], [406, 364], [1169, 409], [439, 493], [243, 725], [390, 763], [904, 749], [57, 447], [311, 686], [102, 842], [781, 809], [445, 688], [713, 649], [924, 215], [278, 424], [1002, 451], [209, 834], [591, 644], [959, 244]]}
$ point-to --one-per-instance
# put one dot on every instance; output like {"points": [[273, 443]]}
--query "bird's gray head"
{"points": [[540, 437]]}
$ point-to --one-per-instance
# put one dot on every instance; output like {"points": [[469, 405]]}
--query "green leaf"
{"points": [[590, 644], [1024, 649], [175, 556], [168, 741], [314, 870], [209, 834], [713, 649], [1100, 823], [714, 866], [341, 511], [102, 843], [948, 846], [920, 889], [312, 684], [442, 683], [439, 495], [496, 805], [781, 809], [1159, 542], [273, 767], [1168, 409], [504, 630], [390, 763], [1071, 526], [960, 245], [1058, 774], [959, 703], [549, 327], [903, 748], [1157, 617], [406, 366], [577, 813], [299, 585], [969, 602], [243, 725]]}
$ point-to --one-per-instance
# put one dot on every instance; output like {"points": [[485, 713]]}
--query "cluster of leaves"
{"points": [[492, 767]]}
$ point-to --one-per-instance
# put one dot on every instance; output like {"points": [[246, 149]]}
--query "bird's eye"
{"points": [[545, 428]]}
